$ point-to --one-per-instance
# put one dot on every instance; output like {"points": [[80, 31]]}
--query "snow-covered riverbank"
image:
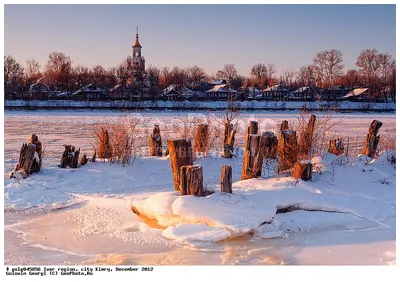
{"points": [[83, 216]]}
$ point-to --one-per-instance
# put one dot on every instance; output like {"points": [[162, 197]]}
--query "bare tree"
{"points": [[306, 76], [13, 73], [59, 70], [386, 66], [178, 76], [228, 72], [351, 78], [289, 77], [98, 76], [123, 72], [165, 78], [32, 71], [195, 75], [81, 76], [368, 63], [154, 77], [271, 71], [328, 65], [259, 73], [111, 77]]}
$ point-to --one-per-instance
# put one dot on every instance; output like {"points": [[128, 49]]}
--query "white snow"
{"points": [[195, 232], [36, 157], [355, 199]]}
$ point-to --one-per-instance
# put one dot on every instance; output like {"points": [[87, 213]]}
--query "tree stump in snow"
{"points": [[306, 138], [253, 128], [287, 149], [180, 151], [155, 142], [271, 145], [66, 156], [75, 158], [303, 170], [104, 151], [201, 141], [229, 140], [191, 180], [336, 146], [284, 125], [30, 158], [94, 157], [371, 143], [84, 159], [226, 179], [70, 157], [253, 156]]}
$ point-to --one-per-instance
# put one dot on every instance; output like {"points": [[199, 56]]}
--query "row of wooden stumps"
{"points": [[30, 158], [188, 178], [70, 157]]}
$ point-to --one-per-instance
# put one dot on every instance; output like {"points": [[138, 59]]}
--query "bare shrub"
{"points": [[185, 127], [119, 142], [322, 131], [387, 142]]}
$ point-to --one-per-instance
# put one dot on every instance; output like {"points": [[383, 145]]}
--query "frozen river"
{"points": [[100, 228]]}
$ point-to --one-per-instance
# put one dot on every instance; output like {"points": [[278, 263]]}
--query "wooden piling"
{"points": [[156, 142], [180, 151], [372, 140], [226, 179]]}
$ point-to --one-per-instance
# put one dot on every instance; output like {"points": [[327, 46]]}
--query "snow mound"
{"points": [[195, 232]]}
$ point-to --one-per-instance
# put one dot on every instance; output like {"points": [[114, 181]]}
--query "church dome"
{"points": [[137, 44]]}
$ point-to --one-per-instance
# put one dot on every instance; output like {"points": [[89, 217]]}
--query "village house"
{"points": [[249, 93], [122, 92], [220, 92], [177, 93], [39, 91], [357, 95], [333, 94], [305, 93], [89, 92], [275, 93]]}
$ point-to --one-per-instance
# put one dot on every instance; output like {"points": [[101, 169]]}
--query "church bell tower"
{"points": [[138, 62]]}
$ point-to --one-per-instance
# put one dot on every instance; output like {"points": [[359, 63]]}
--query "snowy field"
{"points": [[346, 215]]}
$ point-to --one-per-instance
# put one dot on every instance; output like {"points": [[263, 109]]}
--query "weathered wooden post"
{"points": [[303, 170], [30, 158], [271, 145], [284, 125], [191, 180], [104, 151], [75, 158], [84, 160], [201, 142], [226, 179], [306, 138], [94, 157], [253, 127], [155, 142], [180, 152], [70, 157], [37, 164], [253, 156], [371, 143], [229, 140], [336, 146], [287, 149], [66, 156]]}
